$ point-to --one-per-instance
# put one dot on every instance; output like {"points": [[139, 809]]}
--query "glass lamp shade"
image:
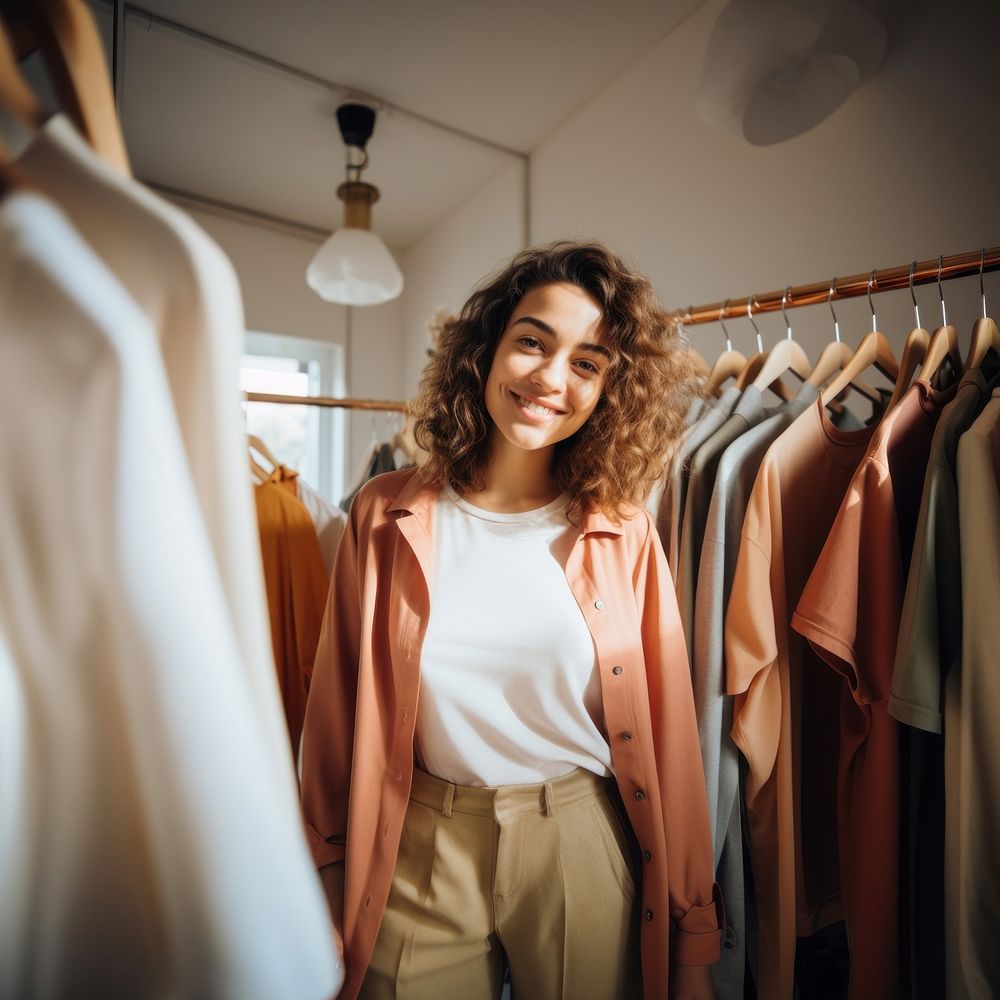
{"points": [[354, 268]]}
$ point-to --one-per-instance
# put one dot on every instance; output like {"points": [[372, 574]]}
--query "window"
{"points": [[310, 439]]}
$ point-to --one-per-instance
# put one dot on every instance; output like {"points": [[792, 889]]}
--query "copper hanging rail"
{"points": [[886, 280], [383, 405]]}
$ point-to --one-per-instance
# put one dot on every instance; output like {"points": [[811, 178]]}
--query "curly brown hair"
{"points": [[622, 450]]}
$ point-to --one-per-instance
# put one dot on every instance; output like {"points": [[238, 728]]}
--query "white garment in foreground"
{"points": [[509, 690], [150, 854], [189, 293]]}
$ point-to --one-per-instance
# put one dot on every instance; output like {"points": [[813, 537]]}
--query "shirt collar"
{"points": [[417, 497]]}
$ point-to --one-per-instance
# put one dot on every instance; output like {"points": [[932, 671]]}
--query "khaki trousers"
{"points": [[537, 877]]}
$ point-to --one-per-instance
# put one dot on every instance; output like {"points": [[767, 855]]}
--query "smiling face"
{"points": [[549, 368]]}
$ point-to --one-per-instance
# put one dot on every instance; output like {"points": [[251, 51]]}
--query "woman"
{"points": [[541, 805]]}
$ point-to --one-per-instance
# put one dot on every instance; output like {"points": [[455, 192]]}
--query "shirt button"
{"points": [[648, 855], [616, 670], [640, 795], [649, 914], [599, 605], [627, 737]]}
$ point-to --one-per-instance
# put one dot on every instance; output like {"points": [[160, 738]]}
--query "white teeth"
{"points": [[535, 407]]}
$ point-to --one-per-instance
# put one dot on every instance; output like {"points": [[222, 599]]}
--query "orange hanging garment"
{"points": [[296, 583]]}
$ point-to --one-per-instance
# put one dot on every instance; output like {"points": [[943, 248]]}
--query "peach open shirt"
{"points": [[358, 742]]}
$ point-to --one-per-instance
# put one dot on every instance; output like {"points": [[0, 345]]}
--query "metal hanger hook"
{"points": [[871, 281], [944, 310], [786, 298], [760, 339], [722, 323], [913, 294], [829, 302], [982, 290]]}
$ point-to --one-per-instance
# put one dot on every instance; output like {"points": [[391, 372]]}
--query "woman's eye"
{"points": [[529, 342], [589, 367]]}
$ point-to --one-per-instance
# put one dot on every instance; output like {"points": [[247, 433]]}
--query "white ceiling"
{"points": [[204, 119]]}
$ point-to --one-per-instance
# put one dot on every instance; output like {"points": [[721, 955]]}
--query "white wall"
{"points": [[443, 267], [271, 266], [906, 168]]}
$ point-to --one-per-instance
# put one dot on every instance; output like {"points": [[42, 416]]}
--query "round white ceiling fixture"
{"points": [[775, 68]]}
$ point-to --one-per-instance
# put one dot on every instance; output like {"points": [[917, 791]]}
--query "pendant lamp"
{"points": [[354, 267]]}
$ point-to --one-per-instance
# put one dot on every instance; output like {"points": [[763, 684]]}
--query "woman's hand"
{"points": [[691, 982]]}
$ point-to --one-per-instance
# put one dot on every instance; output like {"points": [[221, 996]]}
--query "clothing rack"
{"points": [[884, 280], [382, 405]]}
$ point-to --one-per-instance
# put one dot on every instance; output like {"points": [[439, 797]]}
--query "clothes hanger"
{"points": [[16, 95], [756, 361], [985, 335], [944, 342], [835, 356], [259, 473], [257, 445], [730, 363], [65, 33], [914, 350], [874, 350], [786, 356], [19, 101]]}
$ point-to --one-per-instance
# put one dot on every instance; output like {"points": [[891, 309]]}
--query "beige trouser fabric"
{"points": [[541, 874]]}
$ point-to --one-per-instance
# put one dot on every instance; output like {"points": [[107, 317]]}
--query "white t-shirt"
{"points": [[509, 689], [147, 852]]}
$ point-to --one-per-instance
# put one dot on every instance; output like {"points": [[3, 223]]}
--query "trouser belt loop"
{"points": [[449, 796], [550, 808]]}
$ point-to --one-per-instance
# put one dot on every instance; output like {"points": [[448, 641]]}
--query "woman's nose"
{"points": [[550, 376]]}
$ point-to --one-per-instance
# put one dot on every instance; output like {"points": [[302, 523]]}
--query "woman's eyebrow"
{"points": [[539, 324]]}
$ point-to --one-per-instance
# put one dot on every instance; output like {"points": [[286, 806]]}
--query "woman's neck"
{"points": [[517, 480]]}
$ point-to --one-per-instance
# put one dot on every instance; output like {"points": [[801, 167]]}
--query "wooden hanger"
{"points": [[832, 359], [874, 350], [19, 100], [259, 473], [74, 58], [757, 361], [257, 445], [835, 357], [985, 335], [944, 344], [914, 352], [727, 365], [786, 356], [17, 97], [754, 364]]}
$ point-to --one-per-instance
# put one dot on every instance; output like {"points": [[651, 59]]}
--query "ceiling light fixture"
{"points": [[354, 267], [776, 68]]}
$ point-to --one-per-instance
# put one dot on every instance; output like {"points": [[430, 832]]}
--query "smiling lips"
{"points": [[538, 409]]}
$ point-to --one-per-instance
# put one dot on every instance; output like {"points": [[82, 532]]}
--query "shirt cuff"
{"points": [[698, 934]]}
